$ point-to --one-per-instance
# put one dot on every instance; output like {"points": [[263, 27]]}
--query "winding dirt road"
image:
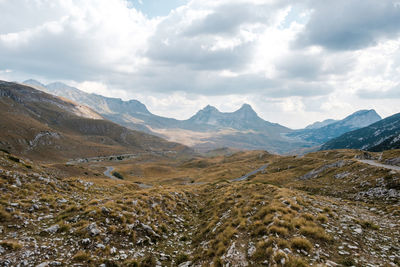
{"points": [[377, 164]]}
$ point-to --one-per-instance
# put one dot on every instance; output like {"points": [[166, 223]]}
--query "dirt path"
{"points": [[377, 164], [108, 173]]}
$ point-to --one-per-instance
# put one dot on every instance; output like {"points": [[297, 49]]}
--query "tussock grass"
{"points": [[281, 231], [315, 232], [11, 244], [301, 244]]}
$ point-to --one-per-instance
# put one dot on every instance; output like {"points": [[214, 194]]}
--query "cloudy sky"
{"points": [[294, 63]]}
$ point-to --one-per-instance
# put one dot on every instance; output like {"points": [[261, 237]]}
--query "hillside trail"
{"points": [[377, 164], [108, 172]]}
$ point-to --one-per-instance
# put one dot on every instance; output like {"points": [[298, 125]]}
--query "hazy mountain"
{"points": [[382, 135], [39, 125], [243, 119], [132, 114], [352, 122], [207, 129], [320, 124]]}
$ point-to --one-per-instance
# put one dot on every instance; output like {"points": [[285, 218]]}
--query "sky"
{"points": [[295, 62]]}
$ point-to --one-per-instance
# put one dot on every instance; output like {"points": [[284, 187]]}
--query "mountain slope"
{"points": [[243, 119], [132, 114], [208, 129], [320, 124], [382, 135], [352, 122], [39, 125]]}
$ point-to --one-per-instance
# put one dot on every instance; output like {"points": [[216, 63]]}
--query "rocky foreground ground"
{"points": [[50, 221]]}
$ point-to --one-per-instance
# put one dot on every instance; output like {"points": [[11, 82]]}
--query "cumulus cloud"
{"points": [[393, 92], [86, 39], [351, 24], [309, 59]]}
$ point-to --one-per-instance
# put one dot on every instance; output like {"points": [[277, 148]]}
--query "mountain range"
{"points": [[42, 126], [209, 128], [320, 135]]}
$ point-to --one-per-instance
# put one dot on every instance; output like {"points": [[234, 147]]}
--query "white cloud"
{"points": [[222, 53]]}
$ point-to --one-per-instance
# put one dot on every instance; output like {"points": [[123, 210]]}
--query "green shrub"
{"points": [[118, 175]]}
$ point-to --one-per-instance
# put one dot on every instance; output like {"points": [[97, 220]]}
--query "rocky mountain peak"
{"points": [[362, 118], [246, 108], [210, 108]]}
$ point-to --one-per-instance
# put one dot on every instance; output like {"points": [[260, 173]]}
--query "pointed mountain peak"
{"points": [[210, 108], [246, 109]]}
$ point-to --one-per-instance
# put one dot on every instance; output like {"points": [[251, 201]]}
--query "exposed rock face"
{"points": [[316, 172]]}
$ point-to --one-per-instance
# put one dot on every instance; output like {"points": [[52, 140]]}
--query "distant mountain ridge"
{"points": [[207, 129], [379, 136], [210, 129], [323, 134], [320, 124]]}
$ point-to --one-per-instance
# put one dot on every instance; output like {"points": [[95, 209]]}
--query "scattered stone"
{"points": [[52, 229], [62, 201], [331, 263], [352, 247], [100, 246], [18, 182], [185, 264], [86, 241], [105, 210], [93, 230]]}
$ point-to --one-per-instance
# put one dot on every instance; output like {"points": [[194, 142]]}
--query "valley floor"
{"points": [[324, 209]]}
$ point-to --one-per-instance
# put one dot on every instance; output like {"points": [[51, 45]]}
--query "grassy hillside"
{"points": [[297, 212]]}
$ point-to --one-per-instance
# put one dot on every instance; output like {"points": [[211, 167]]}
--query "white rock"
{"points": [[185, 264], [92, 229], [85, 241], [331, 263], [100, 246], [52, 229]]}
